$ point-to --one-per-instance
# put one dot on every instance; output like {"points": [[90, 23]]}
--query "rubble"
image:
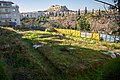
{"points": [[37, 46], [112, 54]]}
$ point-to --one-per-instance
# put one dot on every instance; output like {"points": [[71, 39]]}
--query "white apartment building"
{"points": [[32, 14], [9, 13]]}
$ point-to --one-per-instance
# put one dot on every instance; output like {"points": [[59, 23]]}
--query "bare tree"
{"points": [[115, 6]]}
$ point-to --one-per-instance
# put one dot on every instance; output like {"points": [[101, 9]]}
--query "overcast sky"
{"points": [[38, 5]]}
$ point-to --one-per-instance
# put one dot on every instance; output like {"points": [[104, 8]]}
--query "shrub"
{"points": [[111, 71], [3, 73]]}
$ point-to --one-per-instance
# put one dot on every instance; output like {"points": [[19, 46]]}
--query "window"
{"points": [[0, 4], [6, 15], [6, 10], [6, 4]]}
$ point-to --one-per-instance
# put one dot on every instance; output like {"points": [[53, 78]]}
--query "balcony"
{"points": [[4, 18], [5, 12], [5, 6]]}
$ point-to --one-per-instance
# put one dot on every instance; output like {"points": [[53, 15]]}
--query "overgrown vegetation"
{"points": [[16, 56], [83, 24], [58, 58], [101, 21]]}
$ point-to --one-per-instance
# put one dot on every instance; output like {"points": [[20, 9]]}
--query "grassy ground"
{"points": [[59, 57], [20, 65]]}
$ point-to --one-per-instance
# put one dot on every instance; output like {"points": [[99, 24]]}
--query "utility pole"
{"points": [[105, 3], [117, 6]]}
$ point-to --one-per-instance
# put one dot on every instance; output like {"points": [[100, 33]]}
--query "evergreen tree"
{"points": [[92, 11], [78, 12], [99, 12], [83, 24], [85, 10]]}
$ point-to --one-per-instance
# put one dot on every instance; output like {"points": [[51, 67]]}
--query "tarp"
{"points": [[96, 36]]}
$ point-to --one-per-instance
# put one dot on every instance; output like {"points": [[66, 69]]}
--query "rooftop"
{"points": [[6, 2]]}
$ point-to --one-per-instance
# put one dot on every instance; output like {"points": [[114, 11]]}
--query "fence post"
{"points": [[105, 37]]}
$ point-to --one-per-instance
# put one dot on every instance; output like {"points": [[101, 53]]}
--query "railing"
{"points": [[5, 6], [5, 12]]}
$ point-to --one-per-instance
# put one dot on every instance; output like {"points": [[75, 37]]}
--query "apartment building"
{"points": [[32, 14], [9, 13]]}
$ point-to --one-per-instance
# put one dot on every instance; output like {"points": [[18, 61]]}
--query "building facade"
{"points": [[32, 14], [9, 13]]}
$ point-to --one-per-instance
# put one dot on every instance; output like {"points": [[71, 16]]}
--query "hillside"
{"points": [[16, 62], [56, 8], [57, 58]]}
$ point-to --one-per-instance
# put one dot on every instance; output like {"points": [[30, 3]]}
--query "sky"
{"points": [[41, 5]]}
